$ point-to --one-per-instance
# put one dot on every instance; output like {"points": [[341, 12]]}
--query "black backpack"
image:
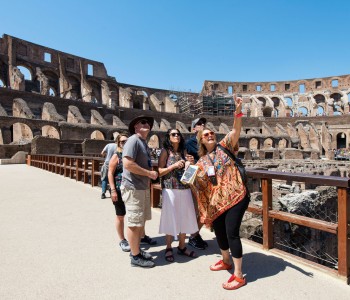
{"points": [[239, 166]]}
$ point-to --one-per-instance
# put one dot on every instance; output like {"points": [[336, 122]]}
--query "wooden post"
{"points": [[78, 172], [95, 169], [343, 234], [28, 159], [266, 185], [86, 169]]}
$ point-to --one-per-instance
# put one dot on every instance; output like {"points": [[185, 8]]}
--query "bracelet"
{"points": [[239, 115]]}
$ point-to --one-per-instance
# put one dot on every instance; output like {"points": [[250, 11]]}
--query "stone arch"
{"points": [[142, 93], [21, 133], [267, 111], [320, 110], [336, 96], [50, 132], [320, 98], [254, 144], [27, 71], [268, 143], [76, 87], [303, 111], [53, 81], [154, 142], [288, 101], [96, 96], [341, 140], [113, 88], [282, 144], [275, 113], [97, 135]]}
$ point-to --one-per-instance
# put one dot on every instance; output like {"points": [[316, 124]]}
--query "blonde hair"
{"points": [[202, 150], [117, 140]]}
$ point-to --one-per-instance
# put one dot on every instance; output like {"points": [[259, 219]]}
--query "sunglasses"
{"points": [[143, 122], [122, 142], [200, 124], [207, 134], [175, 134]]}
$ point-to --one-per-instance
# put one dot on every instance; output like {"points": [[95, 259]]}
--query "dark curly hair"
{"points": [[167, 143]]}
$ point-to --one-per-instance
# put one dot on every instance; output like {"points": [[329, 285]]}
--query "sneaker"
{"points": [[141, 262], [199, 238], [124, 245], [196, 243], [145, 255], [147, 240], [103, 196]]}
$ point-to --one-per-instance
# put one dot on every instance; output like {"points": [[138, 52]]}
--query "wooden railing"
{"points": [[341, 229], [86, 169], [80, 168]]}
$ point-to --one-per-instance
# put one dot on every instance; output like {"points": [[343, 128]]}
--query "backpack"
{"points": [[241, 169]]}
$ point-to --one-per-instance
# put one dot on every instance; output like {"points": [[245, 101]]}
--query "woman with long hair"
{"points": [[115, 171], [178, 216], [222, 197]]}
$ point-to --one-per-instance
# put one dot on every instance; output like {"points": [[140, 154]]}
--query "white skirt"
{"points": [[178, 214]]}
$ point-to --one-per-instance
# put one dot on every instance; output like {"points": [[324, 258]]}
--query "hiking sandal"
{"points": [[183, 252], [169, 258]]}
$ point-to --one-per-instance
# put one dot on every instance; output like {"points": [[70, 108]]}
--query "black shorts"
{"points": [[119, 205]]}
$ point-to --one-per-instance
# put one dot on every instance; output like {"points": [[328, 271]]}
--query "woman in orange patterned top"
{"points": [[222, 197]]}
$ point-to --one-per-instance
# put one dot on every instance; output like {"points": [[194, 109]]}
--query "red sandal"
{"points": [[241, 282], [220, 265]]}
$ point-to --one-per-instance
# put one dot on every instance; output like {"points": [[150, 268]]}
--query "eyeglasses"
{"points": [[175, 134], [200, 124], [207, 134], [122, 142], [143, 122]]}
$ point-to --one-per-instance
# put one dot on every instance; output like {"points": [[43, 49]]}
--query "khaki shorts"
{"points": [[137, 205]]}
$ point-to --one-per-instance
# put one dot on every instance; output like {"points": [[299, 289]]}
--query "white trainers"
{"points": [[124, 245]]}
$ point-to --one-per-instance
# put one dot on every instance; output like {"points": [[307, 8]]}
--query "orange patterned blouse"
{"points": [[230, 190]]}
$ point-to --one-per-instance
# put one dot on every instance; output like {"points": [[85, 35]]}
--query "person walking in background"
{"points": [[107, 153], [178, 216], [135, 187], [115, 171], [222, 196], [195, 239]]}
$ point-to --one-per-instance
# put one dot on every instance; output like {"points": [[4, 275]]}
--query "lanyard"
{"points": [[210, 157]]}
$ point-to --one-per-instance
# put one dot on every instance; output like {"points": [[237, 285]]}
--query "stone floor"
{"points": [[57, 241]]}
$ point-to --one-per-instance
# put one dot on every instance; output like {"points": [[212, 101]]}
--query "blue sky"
{"points": [[179, 44]]}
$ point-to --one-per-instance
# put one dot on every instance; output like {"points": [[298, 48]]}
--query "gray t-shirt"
{"points": [[109, 149], [137, 149]]}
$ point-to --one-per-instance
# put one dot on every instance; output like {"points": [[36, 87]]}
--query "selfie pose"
{"points": [[222, 197]]}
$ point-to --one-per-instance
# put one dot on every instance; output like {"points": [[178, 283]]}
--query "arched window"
{"points": [[50, 132], [289, 101], [97, 135], [26, 72], [303, 111]]}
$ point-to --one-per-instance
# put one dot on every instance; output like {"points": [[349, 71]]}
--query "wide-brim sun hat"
{"points": [[194, 122], [133, 122]]}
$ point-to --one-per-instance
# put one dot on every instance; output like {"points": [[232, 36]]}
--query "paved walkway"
{"points": [[57, 241]]}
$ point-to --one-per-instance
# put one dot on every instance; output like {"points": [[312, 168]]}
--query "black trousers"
{"points": [[226, 228]]}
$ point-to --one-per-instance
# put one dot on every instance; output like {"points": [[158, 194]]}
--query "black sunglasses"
{"points": [[143, 122], [175, 134], [123, 142]]}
